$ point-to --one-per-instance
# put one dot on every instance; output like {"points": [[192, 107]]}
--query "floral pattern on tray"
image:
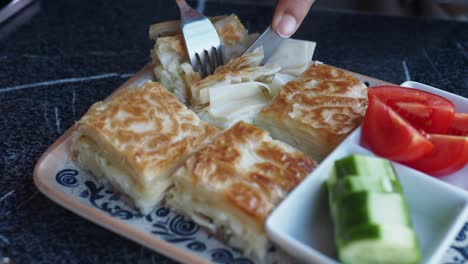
{"points": [[161, 222], [458, 251], [182, 232]]}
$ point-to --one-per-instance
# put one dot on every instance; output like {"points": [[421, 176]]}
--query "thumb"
{"points": [[289, 15]]}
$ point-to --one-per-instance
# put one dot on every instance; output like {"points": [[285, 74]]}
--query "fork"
{"points": [[201, 40]]}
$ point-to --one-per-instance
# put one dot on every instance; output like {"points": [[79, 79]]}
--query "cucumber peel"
{"points": [[353, 183], [386, 244], [370, 215], [362, 166], [363, 208]]}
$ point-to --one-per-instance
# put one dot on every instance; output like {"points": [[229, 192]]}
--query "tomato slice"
{"points": [[450, 153], [459, 126], [423, 110], [390, 136]]}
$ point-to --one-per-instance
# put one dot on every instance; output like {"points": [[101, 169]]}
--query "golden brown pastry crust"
{"points": [[324, 101], [248, 60], [248, 169], [230, 30], [170, 28], [147, 129]]}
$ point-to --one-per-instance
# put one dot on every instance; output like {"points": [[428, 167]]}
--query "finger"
{"points": [[289, 15]]}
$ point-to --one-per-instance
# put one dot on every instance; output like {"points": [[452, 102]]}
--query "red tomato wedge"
{"points": [[450, 153], [459, 126], [423, 110], [390, 136]]}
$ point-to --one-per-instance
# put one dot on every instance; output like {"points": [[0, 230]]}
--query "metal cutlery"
{"points": [[201, 40], [270, 42]]}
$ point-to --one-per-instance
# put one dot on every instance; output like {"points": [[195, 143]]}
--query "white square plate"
{"points": [[301, 224]]}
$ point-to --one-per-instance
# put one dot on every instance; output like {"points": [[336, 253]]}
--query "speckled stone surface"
{"points": [[109, 40]]}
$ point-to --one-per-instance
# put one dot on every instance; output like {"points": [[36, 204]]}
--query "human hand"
{"points": [[289, 15]]}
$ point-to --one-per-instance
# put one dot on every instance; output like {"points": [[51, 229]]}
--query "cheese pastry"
{"points": [[137, 139], [231, 185], [172, 65], [317, 111]]}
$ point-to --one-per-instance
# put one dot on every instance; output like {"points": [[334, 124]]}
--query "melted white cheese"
{"points": [[106, 170], [213, 214], [278, 82], [235, 102]]}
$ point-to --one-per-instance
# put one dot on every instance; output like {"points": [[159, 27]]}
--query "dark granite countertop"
{"points": [[68, 54]]}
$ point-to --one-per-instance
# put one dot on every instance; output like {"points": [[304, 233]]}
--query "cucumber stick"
{"points": [[363, 208], [370, 216], [364, 165], [352, 184], [359, 165], [372, 244]]}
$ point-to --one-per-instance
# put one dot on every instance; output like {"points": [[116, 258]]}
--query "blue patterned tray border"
{"points": [[184, 233]]}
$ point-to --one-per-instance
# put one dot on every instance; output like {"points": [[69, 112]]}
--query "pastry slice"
{"points": [[172, 65], [237, 91], [137, 139], [231, 185], [172, 27], [317, 111], [173, 69], [234, 36]]}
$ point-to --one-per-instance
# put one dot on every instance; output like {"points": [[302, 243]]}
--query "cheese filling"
{"points": [[311, 144], [233, 227], [91, 157], [234, 102]]}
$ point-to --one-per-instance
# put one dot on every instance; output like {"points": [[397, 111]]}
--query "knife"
{"points": [[269, 40]]}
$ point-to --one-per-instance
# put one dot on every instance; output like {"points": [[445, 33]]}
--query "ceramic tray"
{"points": [[57, 177]]}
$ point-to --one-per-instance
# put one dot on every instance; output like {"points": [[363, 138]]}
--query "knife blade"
{"points": [[270, 42]]}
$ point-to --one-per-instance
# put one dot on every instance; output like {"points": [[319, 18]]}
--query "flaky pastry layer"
{"points": [[145, 133], [317, 111], [233, 183]]}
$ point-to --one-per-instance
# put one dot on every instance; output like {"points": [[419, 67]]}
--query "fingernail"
{"points": [[286, 26]]}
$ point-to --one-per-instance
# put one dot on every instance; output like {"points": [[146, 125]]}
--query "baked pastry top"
{"points": [[234, 182], [148, 145], [144, 133], [317, 111]]}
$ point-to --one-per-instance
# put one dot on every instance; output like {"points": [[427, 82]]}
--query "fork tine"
{"points": [[201, 40], [194, 62], [201, 63], [210, 61], [215, 56]]}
